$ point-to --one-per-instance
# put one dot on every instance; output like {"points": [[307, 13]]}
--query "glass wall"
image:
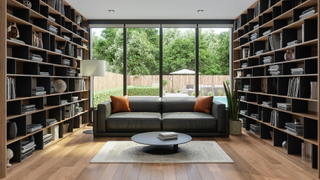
{"points": [[143, 61], [213, 62], [107, 44], [178, 62]]}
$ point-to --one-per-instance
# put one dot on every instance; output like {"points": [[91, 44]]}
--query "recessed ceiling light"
{"points": [[200, 10], [111, 11]]}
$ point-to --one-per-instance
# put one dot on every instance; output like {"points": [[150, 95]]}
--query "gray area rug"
{"points": [[130, 152]]}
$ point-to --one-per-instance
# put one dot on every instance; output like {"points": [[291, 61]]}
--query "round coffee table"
{"points": [[158, 146]]}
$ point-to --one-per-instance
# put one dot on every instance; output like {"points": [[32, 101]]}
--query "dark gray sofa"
{"points": [[161, 114]]}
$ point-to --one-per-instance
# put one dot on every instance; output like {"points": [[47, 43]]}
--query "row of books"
{"points": [[295, 129], [293, 87], [80, 85], [274, 41], [28, 108], [274, 118], [11, 88]]}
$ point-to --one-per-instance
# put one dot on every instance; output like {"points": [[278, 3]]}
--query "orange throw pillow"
{"points": [[120, 104], [203, 104]]}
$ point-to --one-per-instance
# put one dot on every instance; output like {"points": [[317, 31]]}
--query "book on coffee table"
{"points": [[168, 136]]}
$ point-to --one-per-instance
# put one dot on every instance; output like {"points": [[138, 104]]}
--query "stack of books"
{"points": [[296, 71], [28, 108], [63, 101], [58, 51], [36, 57], [255, 128], [71, 72], [11, 89], [248, 75], [266, 103], [284, 106], [275, 70], [74, 98], [293, 87], [50, 122], [243, 98], [33, 127], [17, 40], [167, 136], [255, 115], [253, 36], [70, 111], [275, 41], [261, 51], [274, 118], [308, 12], [66, 38], [244, 65], [294, 42], [44, 73], [267, 60], [47, 139], [243, 121], [66, 62], [53, 29], [38, 91], [246, 87], [267, 32], [256, 26], [296, 129], [51, 18], [27, 148], [245, 112]]}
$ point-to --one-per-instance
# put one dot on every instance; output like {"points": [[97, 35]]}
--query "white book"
{"points": [[13, 90], [314, 90]]}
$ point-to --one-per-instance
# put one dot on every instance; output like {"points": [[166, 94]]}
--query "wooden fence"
{"points": [[112, 80]]}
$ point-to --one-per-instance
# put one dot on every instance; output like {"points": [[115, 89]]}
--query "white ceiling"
{"points": [[161, 9]]}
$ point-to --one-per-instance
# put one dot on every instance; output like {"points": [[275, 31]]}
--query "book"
{"points": [[314, 90], [167, 136]]}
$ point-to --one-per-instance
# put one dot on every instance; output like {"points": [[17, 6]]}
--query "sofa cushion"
{"points": [[178, 104], [120, 104], [203, 104], [134, 122], [191, 122], [145, 104]]}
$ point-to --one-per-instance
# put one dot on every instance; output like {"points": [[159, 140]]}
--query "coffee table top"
{"points": [[150, 138]]}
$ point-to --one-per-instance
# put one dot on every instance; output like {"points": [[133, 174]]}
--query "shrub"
{"points": [[164, 82], [228, 82], [178, 91], [104, 95], [166, 91], [210, 93], [194, 94], [171, 90], [219, 92]]}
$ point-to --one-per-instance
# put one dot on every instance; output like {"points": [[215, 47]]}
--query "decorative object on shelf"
{"points": [[285, 145], [9, 156], [92, 68], [75, 64], [79, 19], [314, 90], [27, 3], [35, 38], [233, 106], [40, 43], [12, 130], [264, 86], [296, 121], [13, 31], [65, 127], [289, 55], [59, 86]]}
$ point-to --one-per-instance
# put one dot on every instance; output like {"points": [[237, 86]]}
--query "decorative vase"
{"points": [[59, 86], [28, 4], [289, 55], [285, 145], [75, 64], [9, 156], [12, 130], [235, 127]]}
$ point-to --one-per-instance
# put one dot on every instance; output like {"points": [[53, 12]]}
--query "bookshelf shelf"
{"points": [[25, 68], [253, 75]]}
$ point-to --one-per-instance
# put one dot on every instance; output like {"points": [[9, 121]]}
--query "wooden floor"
{"points": [[69, 159]]}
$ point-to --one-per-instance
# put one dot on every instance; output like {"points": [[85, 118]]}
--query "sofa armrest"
{"points": [[219, 111], [104, 112]]}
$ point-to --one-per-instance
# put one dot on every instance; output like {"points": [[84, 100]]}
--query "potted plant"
{"points": [[233, 106], [178, 91]]}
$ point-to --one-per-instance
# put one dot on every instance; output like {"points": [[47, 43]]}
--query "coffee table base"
{"points": [[161, 150]]}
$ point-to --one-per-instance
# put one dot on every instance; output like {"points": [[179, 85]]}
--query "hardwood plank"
{"points": [[216, 172], [60, 173], [181, 171], [204, 172], [88, 172], [109, 172], [145, 172], [121, 172], [3, 70], [157, 172], [193, 172], [169, 172], [133, 173]]}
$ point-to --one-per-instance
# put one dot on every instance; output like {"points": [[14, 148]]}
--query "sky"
{"points": [[216, 30]]}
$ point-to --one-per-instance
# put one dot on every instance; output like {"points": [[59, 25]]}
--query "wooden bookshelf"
{"points": [[282, 17], [17, 64]]}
